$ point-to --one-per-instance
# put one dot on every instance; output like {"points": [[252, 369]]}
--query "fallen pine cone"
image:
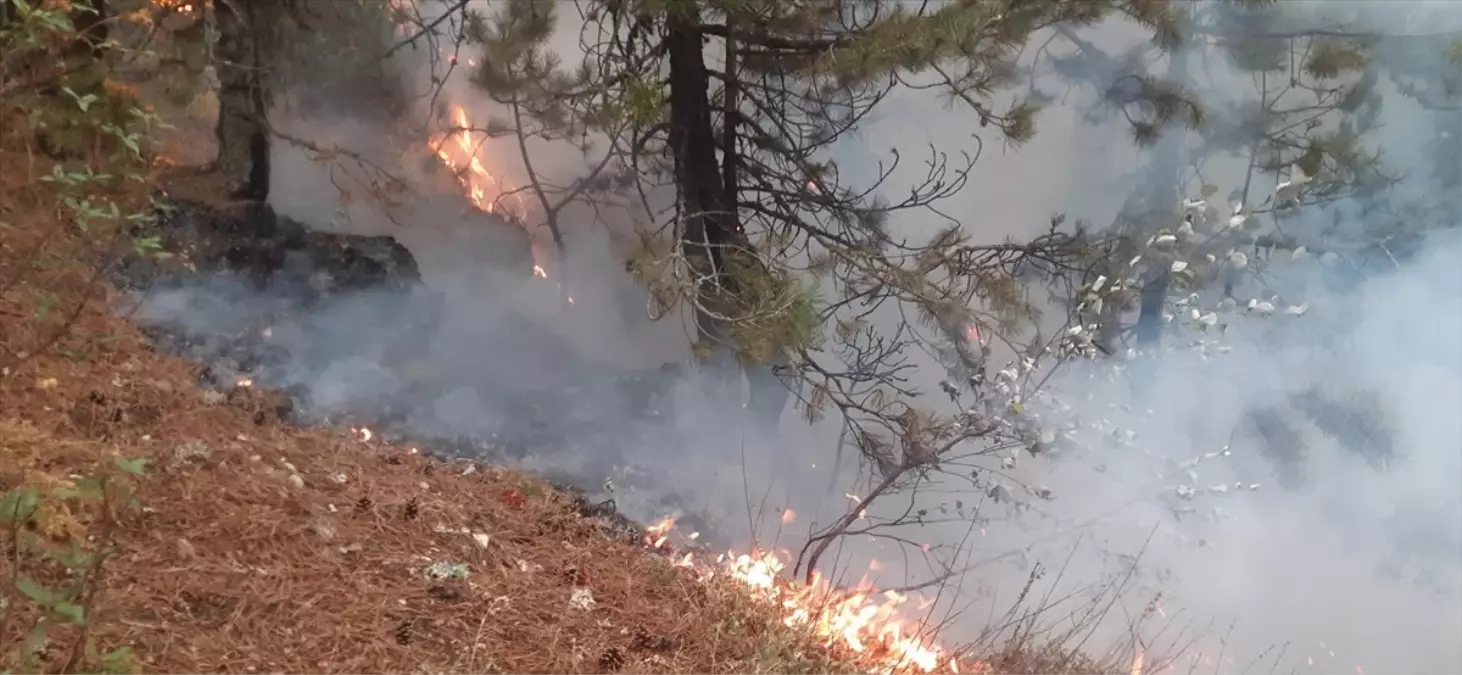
{"points": [[611, 660]]}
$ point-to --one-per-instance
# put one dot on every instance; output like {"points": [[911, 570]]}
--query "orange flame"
{"points": [[860, 620], [461, 150], [658, 534]]}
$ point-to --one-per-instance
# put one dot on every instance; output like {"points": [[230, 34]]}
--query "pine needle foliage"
{"points": [[737, 105]]}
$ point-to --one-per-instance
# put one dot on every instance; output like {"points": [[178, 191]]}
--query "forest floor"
{"points": [[259, 546]]}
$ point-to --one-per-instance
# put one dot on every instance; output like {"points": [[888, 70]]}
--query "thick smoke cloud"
{"points": [[1352, 568], [1367, 562], [1361, 562]]}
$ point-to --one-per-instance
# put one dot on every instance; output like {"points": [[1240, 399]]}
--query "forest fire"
{"points": [[459, 149], [460, 152], [861, 620]]}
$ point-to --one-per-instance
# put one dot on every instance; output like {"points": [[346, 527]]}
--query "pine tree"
{"points": [[755, 94], [1313, 102], [734, 106], [328, 57], [542, 101], [1427, 68], [246, 42]]}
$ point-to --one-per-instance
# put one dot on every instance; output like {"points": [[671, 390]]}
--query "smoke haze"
{"points": [[1353, 567]]}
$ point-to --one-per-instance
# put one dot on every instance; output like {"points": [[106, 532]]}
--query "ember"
{"points": [[184, 7]]}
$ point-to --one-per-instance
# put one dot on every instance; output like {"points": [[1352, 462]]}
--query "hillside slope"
{"points": [[260, 546], [151, 524]]}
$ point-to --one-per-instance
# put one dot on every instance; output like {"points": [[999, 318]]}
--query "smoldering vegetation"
{"points": [[344, 328], [1281, 493]]}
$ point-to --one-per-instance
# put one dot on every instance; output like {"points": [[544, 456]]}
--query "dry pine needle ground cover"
{"points": [[262, 547]]}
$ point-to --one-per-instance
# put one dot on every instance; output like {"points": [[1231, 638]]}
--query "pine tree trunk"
{"points": [[771, 388], [704, 232], [243, 97], [710, 226], [1166, 171]]}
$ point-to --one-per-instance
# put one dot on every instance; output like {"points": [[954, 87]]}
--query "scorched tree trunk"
{"points": [[243, 96]]}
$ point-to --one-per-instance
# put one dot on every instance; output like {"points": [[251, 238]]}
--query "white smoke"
{"points": [[1363, 563]]}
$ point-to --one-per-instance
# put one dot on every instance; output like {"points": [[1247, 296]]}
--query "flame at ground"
{"points": [[861, 620]]}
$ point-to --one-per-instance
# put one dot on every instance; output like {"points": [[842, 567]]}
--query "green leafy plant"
{"points": [[60, 97], [72, 109], [51, 583]]}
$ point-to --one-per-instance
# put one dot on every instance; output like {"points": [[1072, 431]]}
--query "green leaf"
{"points": [[74, 613], [44, 305], [34, 641], [119, 661], [78, 558], [136, 466], [17, 506], [37, 593], [1208, 190], [88, 489]]}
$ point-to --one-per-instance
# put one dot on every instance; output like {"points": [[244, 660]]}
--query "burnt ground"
{"points": [[261, 300]]}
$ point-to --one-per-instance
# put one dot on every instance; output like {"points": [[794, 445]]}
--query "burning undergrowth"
{"points": [[266, 546], [257, 300], [341, 330]]}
